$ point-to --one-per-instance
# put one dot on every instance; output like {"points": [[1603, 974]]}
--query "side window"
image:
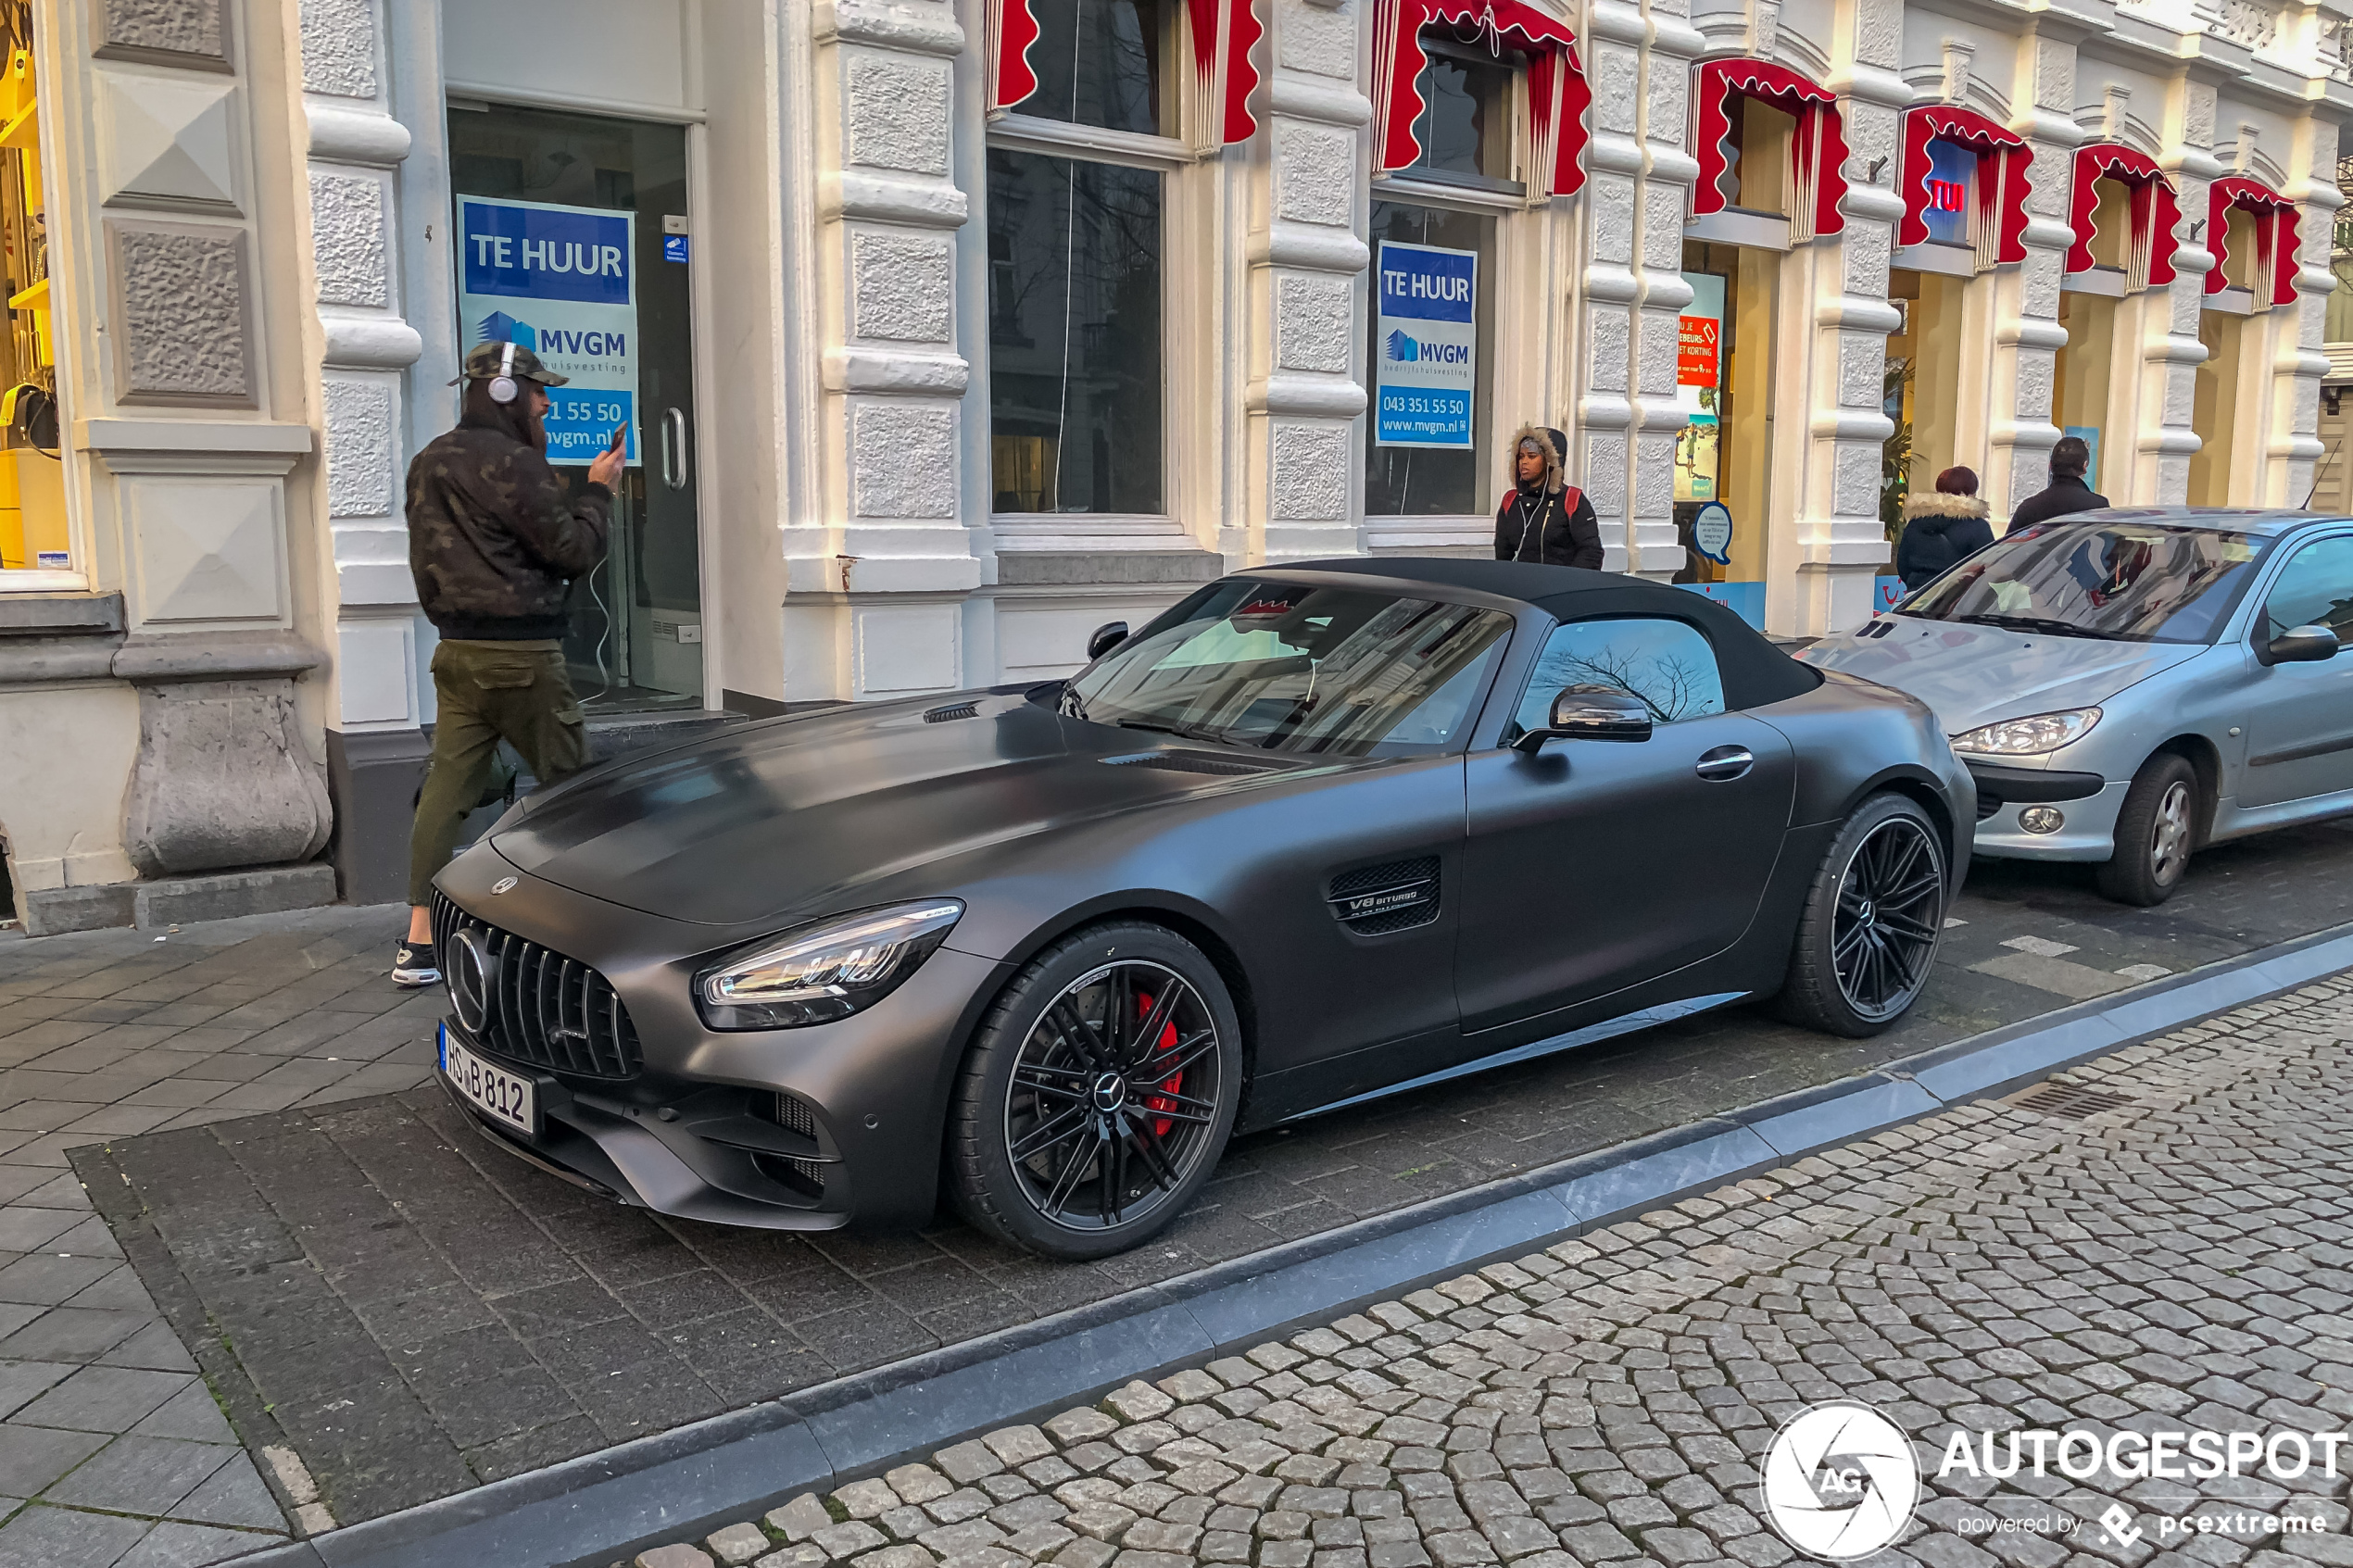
{"points": [[2315, 590], [1666, 663]]}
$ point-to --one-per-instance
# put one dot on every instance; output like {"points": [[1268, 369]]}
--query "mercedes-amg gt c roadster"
{"points": [[1314, 835]]}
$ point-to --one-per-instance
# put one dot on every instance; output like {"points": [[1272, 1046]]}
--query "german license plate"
{"points": [[498, 1093]]}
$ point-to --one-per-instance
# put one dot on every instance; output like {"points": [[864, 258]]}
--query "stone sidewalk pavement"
{"points": [[2166, 1242], [112, 1448]]}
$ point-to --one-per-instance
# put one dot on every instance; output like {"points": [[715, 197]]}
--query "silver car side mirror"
{"points": [[2301, 644], [1592, 712]]}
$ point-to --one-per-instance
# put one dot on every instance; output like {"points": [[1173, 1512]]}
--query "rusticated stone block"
{"points": [[221, 779]]}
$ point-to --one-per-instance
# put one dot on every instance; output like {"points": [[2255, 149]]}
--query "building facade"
{"points": [[941, 331]]}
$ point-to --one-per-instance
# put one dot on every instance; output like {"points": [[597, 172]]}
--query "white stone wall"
{"points": [[356, 145]]}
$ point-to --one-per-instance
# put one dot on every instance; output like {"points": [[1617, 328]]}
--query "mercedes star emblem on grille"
{"points": [[502, 884], [472, 969]]}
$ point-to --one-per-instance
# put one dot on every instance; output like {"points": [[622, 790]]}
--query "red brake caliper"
{"points": [[1174, 1082]]}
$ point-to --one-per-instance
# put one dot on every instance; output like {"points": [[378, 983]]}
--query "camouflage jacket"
{"points": [[495, 535]]}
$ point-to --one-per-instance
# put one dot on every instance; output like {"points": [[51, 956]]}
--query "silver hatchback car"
{"points": [[2132, 684]]}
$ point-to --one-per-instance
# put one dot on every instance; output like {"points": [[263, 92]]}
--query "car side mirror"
{"points": [[2301, 644], [1588, 713], [1107, 636]]}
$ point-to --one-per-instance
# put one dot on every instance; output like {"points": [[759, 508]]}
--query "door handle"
{"points": [[1724, 763], [673, 448]]}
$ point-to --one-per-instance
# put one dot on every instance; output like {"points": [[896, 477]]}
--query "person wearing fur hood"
{"points": [[1941, 529], [1543, 517]]}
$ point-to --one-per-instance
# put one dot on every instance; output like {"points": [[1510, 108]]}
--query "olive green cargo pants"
{"points": [[489, 692]]}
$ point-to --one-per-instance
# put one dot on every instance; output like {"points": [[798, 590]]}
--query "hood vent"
{"points": [[1194, 762], [953, 710]]}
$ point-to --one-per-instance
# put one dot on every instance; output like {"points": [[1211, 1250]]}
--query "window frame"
{"points": [[2259, 627], [1182, 169], [1527, 688]]}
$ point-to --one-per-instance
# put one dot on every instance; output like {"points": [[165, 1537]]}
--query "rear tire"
{"points": [[2156, 833], [1097, 1093], [1866, 940]]}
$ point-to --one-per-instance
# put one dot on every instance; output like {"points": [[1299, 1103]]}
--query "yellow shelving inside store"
{"points": [[33, 498]]}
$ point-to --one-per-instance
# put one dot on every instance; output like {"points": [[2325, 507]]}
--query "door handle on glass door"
{"points": [[673, 448], [1724, 763]]}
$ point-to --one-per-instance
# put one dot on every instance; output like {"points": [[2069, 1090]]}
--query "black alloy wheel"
{"points": [[1867, 941], [1099, 1094]]}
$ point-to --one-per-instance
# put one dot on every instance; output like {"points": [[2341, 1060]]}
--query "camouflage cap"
{"points": [[482, 360]]}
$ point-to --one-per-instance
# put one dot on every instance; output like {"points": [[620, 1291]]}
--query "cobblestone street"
{"points": [[2164, 1245]]}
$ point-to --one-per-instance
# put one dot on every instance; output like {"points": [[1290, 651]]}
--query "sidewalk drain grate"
{"points": [[2073, 1101]]}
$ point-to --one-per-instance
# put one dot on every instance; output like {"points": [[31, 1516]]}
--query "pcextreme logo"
{"points": [[1841, 1481]]}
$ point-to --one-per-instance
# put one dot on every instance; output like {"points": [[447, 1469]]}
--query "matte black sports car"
{"points": [[1314, 835]]}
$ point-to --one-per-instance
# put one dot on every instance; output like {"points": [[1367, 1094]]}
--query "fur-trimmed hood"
{"points": [[1940, 511], [1556, 446]]}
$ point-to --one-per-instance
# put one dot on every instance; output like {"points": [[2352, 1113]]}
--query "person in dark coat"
{"points": [[1543, 517], [2067, 493], [1941, 529], [496, 537]]}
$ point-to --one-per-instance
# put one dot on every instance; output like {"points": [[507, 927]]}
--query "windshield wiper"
{"points": [[1180, 731], [2034, 623]]}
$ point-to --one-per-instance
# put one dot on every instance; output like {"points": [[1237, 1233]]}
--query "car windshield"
{"points": [[2130, 580], [1293, 668]]}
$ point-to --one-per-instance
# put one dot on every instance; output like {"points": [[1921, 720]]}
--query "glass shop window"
{"points": [[1101, 62], [1952, 193], [1465, 129], [1074, 353]]}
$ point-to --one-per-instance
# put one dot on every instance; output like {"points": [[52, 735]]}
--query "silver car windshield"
{"points": [[2131, 582], [1291, 667]]}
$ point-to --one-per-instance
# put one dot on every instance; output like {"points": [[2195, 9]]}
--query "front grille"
{"points": [[806, 1176], [1376, 900], [542, 1008]]}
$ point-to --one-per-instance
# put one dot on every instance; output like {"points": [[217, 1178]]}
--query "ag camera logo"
{"points": [[1841, 1481]]}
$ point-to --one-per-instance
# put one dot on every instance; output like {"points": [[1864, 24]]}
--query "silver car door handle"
{"points": [[1724, 763]]}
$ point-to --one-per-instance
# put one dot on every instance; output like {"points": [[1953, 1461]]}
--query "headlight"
{"points": [[2028, 737], [824, 972]]}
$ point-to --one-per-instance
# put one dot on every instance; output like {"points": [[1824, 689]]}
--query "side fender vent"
{"points": [[953, 710], [1378, 900]]}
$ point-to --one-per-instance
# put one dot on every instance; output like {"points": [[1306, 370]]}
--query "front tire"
{"points": [[1097, 1093], [2156, 833], [1867, 936]]}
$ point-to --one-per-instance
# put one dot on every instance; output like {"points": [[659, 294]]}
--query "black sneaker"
{"points": [[413, 966]]}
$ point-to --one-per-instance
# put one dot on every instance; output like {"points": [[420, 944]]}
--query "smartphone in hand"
{"points": [[620, 436]]}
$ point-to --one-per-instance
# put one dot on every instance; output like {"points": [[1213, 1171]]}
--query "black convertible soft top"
{"points": [[1755, 671]]}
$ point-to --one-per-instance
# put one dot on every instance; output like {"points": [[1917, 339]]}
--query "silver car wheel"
{"points": [[2170, 834]]}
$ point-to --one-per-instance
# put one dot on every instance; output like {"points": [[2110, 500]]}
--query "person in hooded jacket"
{"points": [[496, 537], [1543, 517], [1941, 529]]}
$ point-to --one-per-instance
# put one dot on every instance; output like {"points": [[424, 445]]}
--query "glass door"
{"points": [[573, 235]]}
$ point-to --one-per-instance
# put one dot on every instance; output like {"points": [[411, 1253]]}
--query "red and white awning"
{"points": [[2274, 234], [2155, 216], [1557, 95], [1220, 35], [1998, 226], [1818, 150]]}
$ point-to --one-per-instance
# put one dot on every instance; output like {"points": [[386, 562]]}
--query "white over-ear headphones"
{"points": [[502, 385]]}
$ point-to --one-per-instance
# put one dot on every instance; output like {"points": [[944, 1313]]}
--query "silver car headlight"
{"points": [[825, 972], [2028, 737]]}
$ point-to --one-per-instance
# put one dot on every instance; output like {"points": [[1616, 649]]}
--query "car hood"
{"points": [[1973, 675], [793, 818]]}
